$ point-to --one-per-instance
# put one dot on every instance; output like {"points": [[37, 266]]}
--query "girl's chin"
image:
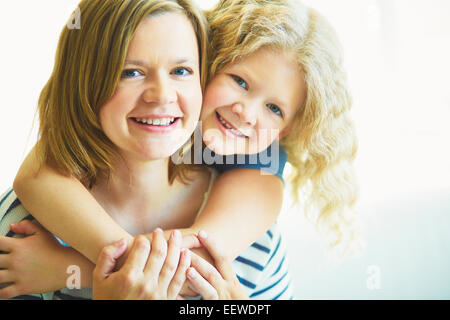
{"points": [[224, 148]]}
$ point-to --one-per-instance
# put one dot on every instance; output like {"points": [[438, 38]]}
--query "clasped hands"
{"points": [[156, 269], [152, 268]]}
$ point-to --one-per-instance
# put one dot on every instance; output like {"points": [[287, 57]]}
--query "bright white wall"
{"points": [[397, 59]]}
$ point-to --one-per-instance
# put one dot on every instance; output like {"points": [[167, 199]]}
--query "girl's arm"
{"points": [[66, 208], [243, 204], [38, 263]]}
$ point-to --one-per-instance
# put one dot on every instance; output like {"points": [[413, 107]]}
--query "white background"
{"points": [[397, 56]]}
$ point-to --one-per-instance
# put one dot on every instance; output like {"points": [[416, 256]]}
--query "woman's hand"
{"points": [[189, 240], [153, 272], [218, 282], [34, 264]]}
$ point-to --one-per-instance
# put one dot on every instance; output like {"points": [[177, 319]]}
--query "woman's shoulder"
{"points": [[203, 180]]}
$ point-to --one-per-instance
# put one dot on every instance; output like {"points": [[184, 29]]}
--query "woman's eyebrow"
{"points": [[177, 61], [136, 62], [184, 60]]}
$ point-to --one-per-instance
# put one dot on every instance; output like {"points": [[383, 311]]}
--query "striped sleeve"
{"points": [[263, 269], [11, 211]]}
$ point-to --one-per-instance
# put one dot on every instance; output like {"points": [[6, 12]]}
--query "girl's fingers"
{"points": [[6, 243], [6, 276], [180, 275], [25, 227], [200, 285], [207, 271], [190, 242], [138, 256], [157, 255], [9, 292], [171, 263], [4, 261], [222, 263], [107, 259]]}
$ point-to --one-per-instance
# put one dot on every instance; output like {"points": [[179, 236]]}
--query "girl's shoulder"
{"points": [[272, 160]]}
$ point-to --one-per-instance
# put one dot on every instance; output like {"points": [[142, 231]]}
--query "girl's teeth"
{"points": [[237, 133], [224, 123]]}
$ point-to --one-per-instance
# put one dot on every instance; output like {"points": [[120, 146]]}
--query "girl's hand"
{"points": [[214, 283], [33, 264], [153, 272]]}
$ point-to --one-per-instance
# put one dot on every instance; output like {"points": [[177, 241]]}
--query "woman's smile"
{"points": [[157, 124], [156, 105]]}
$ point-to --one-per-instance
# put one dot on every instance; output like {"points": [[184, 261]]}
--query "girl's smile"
{"points": [[252, 102], [228, 129]]}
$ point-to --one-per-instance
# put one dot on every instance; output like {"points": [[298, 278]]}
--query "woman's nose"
{"points": [[246, 113], [160, 91]]}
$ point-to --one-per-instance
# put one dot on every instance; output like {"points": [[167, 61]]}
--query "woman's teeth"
{"points": [[226, 125], [156, 122]]}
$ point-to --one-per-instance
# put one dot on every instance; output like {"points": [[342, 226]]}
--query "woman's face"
{"points": [[156, 106], [252, 102]]}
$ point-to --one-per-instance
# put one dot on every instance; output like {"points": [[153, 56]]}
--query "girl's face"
{"points": [[156, 106], [252, 102]]}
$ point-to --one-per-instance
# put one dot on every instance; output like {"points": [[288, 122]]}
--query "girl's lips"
{"points": [[230, 132]]}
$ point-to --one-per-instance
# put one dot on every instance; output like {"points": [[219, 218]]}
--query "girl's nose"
{"points": [[247, 113], [160, 91]]}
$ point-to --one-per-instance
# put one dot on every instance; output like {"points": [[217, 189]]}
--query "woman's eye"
{"points": [[274, 108], [131, 73], [182, 71], [241, 82]]}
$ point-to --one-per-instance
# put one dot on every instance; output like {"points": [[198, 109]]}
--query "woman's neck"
{"points": [[139, 197], [134, 185]]}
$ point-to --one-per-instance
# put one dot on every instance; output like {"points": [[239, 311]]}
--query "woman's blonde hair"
{"points": [[322, 144], [87, 69]]}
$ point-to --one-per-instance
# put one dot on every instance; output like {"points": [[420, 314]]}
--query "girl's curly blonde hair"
{"points": [[322, 144]]}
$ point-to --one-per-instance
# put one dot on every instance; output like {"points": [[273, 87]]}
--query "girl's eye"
{"points": [[274, 108], [182, 71], [241, 82], [131, 73]]}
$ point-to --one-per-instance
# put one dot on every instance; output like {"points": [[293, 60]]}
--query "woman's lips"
{"points": [[158, 125]]}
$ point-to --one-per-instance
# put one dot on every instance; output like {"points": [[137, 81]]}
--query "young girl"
{"points": [[303, 96]]}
